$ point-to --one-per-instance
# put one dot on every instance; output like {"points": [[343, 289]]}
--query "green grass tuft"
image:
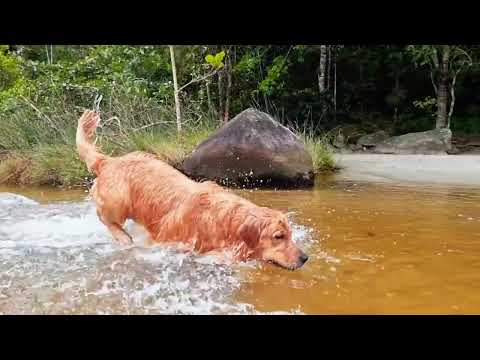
{"points": [[319, 147], [321, 153]]}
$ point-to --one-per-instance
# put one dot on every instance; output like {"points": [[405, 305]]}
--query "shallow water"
{"points": [[375, 248]]}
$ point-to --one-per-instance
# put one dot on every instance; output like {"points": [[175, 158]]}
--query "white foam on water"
{"points": [[9, 199], [360, 257], [302, 235]]}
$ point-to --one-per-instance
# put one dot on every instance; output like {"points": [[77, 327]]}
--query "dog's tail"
{"points": [[87, 151]]}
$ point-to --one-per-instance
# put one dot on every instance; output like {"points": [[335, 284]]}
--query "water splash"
{"points": [[59, 259]]}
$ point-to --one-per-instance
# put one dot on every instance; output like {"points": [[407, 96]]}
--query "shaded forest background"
{"points": [[378, 85]]}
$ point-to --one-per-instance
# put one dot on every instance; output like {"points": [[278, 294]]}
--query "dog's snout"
{"points": [[303, 258]]}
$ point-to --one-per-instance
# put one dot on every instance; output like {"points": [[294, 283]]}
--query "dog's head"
{"points": [[269, 236]]}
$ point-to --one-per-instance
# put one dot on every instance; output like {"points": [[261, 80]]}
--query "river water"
{"points": [[375, 248]]}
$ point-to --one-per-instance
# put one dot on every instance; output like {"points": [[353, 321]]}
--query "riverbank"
{"points": [[426, 169], [59, 165], [63, 168]]}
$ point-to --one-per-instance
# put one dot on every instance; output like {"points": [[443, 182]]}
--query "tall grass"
{"points": [[321, 153], [318, 146], [40, 140]]}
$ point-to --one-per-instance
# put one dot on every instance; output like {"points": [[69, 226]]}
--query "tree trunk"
{"points": [[175, 89], [48, 55], [335, 83], [328, 81], [226, 114], [442, 100], [396, 92], [321, 71], [361, 84], [221, 106], [442, 93], [452, 99], [209, 99]]}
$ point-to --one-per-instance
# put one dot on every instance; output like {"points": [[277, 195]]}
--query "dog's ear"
{"points": [[249, 232]]}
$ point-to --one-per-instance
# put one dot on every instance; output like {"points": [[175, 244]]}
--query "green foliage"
{"points": [[138, 70], [424, 54], [248, 64], [246, 71], [321, 152], [9, 69], [431, 55], [466, 125], [283, 75], [12, 82], [428, 105], [216, 61], [273, 81]]}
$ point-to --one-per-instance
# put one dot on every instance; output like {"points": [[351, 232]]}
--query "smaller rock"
{"points": [[373, 139], [352, 133], [432, 142], [454, 151], [354, 147]]}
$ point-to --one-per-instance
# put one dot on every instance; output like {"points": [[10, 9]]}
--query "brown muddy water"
{"points": [[375, 248]]}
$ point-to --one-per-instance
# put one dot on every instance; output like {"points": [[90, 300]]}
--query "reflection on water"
{"points": [[374, 249]]}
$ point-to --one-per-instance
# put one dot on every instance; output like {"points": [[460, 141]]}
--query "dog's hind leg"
{"points": [[111, 216], [116, 229], [118, 233]]}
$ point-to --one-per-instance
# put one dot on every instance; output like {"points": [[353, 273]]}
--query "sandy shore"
{"points": [[433, 169]]}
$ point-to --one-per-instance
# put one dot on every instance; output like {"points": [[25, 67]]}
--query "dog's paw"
{"points": [[123, 240]]}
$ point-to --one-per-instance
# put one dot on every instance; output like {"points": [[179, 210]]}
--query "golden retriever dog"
{"points": [[174, 208]]}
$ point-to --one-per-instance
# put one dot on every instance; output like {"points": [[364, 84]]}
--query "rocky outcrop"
{"points": [[252, 150], [372, 140], [431, 142]]}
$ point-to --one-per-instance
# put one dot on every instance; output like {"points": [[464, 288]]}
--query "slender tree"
{"points": [[445, 63], [322, 69], [176, 91], [228, 67]]}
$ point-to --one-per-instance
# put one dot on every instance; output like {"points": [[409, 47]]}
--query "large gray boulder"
{"points": [[430, 142], [252, 149]]}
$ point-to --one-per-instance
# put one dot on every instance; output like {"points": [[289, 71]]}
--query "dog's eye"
{"points": [[278, 235]]}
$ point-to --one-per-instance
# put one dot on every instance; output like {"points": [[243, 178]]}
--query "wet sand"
{"points": [[432, 169]]}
